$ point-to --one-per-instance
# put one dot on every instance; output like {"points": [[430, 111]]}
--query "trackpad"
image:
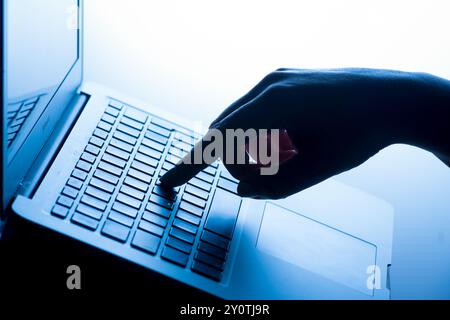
{"points": [[316, 247]]}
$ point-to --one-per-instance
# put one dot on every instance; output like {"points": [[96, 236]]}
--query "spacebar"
{"points": [[223, 213]]}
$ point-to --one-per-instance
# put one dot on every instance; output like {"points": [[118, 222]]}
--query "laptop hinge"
{"points": [[54, 143]]}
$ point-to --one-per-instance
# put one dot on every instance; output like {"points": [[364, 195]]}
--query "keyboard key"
{"points": [[93, 202], [223, 213], [175, 189], [212, 250], [75, 183], [145, 241], [143, 167], [17, 123], [84, 221], [159, 130], [96, 142], [110, 168], [161, 201], [189, 138], [79, 174], [215, 239], [139, 175], [23, 114], [191, 208], [112, 111], [156, 137], [162, 172], [105, 186], [153, 218], [177, 152], [59, 211], [92, 149], [163, 212], [179, 245], [210, 170], [153, 144], [88, 157], [186, 216], [163, 123], [182, 235], [89, 211], [183, 225], [169, 194], [172, 159], [132, 192], [115, 230], [125, 209], [175, 256], [118, 153], [146, 159], [167, 166], [151, 153], [115, 104], [64, 201], [97, 193], [227, 185], [121, 218], [129, 201], [108, 118], [196, 191], [225, 174], [194, 200], [132, 123], [135, 114], [83, 165], [132, 182], [104, 126], [128, 130], [125, 138], [205, 177], [152, 228], [99, 133], [105, 176], [210, 260], [182, 145], [200, 184], [114, 160], [121, 145], [70, 192], [206, 270]]}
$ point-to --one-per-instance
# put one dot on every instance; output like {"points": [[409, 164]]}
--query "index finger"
{"points": [[191, 164]]}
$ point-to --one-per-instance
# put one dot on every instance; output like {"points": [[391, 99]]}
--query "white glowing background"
{"points": [[197, 56]]}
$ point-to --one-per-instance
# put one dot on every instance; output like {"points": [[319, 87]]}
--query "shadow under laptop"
{"points": [[37, 261]]}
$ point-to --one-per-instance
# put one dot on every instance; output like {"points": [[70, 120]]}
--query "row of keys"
{"points": [[135, 185], [185, 225], [216, 236], [78, 176], [154, 219], [97, 194]]}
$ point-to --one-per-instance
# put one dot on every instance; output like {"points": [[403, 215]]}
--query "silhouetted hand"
{"points": [[337, 119]]}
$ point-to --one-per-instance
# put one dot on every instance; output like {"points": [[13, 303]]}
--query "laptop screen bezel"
{"points": [[15, 169]]}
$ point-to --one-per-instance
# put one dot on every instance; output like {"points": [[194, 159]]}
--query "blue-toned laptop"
{"points": [[84, 161]]}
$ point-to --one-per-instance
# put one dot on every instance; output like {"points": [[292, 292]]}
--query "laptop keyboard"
{"points": [[114, 191], [17, 114]]}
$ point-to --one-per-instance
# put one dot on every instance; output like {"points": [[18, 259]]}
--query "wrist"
{"points": [[419, 112]]}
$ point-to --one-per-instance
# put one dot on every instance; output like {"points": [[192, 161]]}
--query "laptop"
{"points": [[85, 161]]}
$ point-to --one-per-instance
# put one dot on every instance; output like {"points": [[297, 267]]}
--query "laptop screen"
{"points": [[42, 47]]}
